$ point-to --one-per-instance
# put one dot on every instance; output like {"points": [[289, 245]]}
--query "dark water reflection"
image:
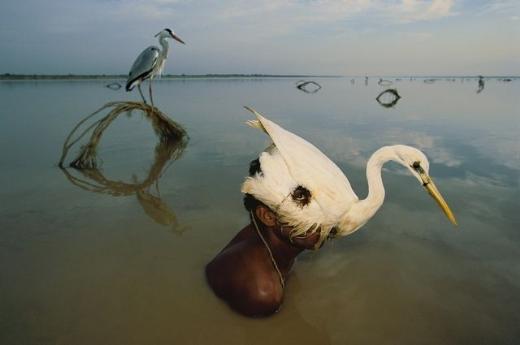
{"points": [[81, 268], [146, 190]]}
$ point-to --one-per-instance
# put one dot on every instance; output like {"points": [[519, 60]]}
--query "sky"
{"points": [[319, 37]]}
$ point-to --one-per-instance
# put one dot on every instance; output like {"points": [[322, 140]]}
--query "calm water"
{"points": [[81, 267]]}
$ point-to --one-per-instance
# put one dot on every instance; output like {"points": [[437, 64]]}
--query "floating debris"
{"points": [[113, 86], [384, 82], [388, 98], [308, 86], [481, 84]]}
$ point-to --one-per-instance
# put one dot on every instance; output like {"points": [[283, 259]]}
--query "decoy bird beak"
{"points": [[177, 38], [436, 195]]}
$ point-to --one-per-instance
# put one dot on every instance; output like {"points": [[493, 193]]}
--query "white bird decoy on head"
{"points": [[150, 63], [311, 194]]}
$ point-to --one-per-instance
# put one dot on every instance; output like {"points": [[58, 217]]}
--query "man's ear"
{"points": [[265, 215]]}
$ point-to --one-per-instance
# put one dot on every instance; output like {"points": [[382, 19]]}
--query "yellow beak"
{"points": [[434, 192]]}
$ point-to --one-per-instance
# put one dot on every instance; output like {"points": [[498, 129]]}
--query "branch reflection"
{"points": [[146, 190], [388, 98]]}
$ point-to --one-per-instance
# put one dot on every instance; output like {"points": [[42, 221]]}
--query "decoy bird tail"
{"points": [[255, 123]]}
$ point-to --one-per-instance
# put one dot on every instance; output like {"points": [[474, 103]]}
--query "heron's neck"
{"points": [[165, 46], [376, 190]]}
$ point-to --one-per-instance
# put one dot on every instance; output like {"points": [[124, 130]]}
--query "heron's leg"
{"points": [[141, 92], [150, 91]]}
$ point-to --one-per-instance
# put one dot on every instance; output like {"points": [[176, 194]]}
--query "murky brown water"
{"points": [[82, 267]]}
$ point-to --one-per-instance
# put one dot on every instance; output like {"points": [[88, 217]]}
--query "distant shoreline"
{"points": [[10, 76]]}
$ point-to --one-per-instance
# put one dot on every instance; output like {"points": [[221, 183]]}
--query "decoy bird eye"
{"points": [[255, 168], [301, 195]]}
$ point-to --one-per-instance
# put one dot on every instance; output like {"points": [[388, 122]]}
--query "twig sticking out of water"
{"points": [[87, 175], [163, 126], [394, 98], [302, 85], [384, 82], [481, 84], [114, 86]]}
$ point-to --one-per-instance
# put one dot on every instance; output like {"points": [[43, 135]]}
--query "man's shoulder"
{"points": [[244, 277], [242, 261]]}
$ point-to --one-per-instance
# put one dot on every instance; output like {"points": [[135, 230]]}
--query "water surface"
{"points": [[80, 267]]}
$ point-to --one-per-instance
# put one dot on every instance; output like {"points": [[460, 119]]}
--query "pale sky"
{"points": [[343, 37]]}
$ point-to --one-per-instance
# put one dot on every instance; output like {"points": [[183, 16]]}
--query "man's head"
{"points": [[270, 220]]}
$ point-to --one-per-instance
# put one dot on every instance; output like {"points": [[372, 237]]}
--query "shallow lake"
{"points": [[97, 266]]}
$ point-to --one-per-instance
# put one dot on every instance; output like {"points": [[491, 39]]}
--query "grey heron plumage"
{"points": [[150, 63]]}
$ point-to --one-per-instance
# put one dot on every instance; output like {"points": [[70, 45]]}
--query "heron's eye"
{"points": [[416, 165], [301, 195], [255, 168]]}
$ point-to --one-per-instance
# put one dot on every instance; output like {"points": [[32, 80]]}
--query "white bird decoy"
{"points": [[311, 194], [150, 63]]}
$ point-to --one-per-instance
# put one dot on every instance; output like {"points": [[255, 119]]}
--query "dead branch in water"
{"points": [[86, 175], [394, 98], [164, 127], [481, 84], [384, 82], [113, 86], [302, 86]]}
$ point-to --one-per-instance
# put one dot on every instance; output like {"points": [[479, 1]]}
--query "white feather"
{"points": [[292, 161], [295, 162]]}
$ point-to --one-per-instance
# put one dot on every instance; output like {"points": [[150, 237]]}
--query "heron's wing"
{"points": [[143, 66], [309, 166]]}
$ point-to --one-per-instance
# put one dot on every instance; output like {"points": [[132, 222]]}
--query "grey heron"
{"points": [[150, 63]]}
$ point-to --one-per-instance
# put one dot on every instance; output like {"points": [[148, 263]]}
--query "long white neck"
{"points": [[165, 47], [363, 210]]}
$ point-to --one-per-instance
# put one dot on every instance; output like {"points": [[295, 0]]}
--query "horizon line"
{"points": [[29, 76]]}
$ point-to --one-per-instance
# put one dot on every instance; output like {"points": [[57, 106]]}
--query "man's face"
{"points": [[308, 240]]}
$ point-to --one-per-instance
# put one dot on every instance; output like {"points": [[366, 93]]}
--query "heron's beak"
{"points": [[436, 195], [177, 38], [157, 34]]}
